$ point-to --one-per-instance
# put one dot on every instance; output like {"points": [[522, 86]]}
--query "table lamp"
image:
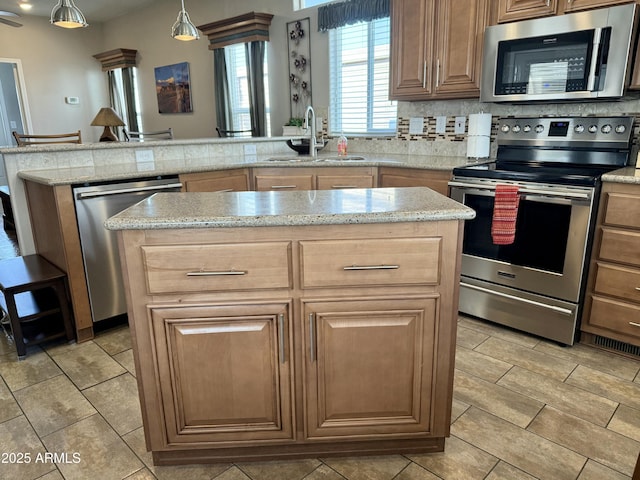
{"points": [[107, 118]]}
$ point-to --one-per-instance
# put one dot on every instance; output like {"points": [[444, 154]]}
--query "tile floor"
{"points": [[523, 408]]}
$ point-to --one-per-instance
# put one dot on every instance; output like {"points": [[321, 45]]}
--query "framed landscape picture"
{"points": [[173, 88]]}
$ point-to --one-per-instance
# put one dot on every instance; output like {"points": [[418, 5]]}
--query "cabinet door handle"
{"points": [[638, 289], [312, 337], [280, 187], [634, 324], [205, 273], [424, 74], [338, 187], [225, 190], [437, 73], [371, 267], [283, 358]]}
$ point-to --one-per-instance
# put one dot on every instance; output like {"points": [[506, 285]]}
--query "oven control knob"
{"points": [[505, 128], [539, 128], [621, 129], [593, 128], [515, 128], [606, 128], [526, 128], [579, 128]]}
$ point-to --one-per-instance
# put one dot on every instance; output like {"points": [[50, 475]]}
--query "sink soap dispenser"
{"points": [[342, 145]]}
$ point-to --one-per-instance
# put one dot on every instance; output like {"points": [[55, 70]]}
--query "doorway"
{"points": [[14, 111]]}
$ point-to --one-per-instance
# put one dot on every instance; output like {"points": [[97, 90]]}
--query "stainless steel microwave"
{"points": [[578, 56]]}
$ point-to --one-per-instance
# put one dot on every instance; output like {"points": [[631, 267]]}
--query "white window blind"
{"points": [[236, 59], [359, 80]]}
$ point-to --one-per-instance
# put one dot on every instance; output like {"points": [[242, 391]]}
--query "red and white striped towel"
{"points": [[505, 214]]}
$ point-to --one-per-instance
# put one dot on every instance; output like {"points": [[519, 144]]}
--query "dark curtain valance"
{"points": [[336, 15]]}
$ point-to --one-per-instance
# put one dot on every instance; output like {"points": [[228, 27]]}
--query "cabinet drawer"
{"points": [[283, 182], [623, 210], [618, 316], [336, 182], [195, 268], [395, 261], [618, 282], [620, 246]]}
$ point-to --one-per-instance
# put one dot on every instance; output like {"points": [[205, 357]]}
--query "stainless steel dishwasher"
{"points": [[94, 204]]}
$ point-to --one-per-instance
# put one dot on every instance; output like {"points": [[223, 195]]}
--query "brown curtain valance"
{"points": [[118, 58], [249, 27]]}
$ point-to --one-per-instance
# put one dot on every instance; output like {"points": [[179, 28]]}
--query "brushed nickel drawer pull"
{"points": [[204, 273], [638, 289], [225, 190], [283, 358], [372, 267], [634, 324], [312, 337], [282, 186], [343, 186]]}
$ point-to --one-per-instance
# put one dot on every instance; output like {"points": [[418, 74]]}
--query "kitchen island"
{"points": [[293, 324]]}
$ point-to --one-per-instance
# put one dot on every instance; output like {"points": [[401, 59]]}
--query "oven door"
{"points": [[547, 256]]}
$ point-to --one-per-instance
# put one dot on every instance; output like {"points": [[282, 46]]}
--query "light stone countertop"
{"points": [[623, 175], [272, 209], [122, 172]]}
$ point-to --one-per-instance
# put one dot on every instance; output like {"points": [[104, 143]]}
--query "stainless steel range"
{"points": [[536, 283]]}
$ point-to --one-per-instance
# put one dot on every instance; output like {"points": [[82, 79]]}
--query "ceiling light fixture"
{"points": [[25, 6], [183, 29], [66, 15]]}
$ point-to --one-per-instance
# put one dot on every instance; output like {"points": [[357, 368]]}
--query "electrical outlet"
{"points": [[441, 125], [460, 125]]}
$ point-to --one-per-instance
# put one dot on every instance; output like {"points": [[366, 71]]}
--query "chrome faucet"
{"points": [[311, 124]]}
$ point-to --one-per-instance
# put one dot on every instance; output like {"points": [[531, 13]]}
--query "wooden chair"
{"points": [[233, 133], [142, 136], [24, 139]]}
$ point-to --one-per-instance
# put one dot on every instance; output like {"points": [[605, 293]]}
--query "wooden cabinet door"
{"points": [[460, 27], [224, 372], [510, 10], [222, 181], [578, 5], [366, 364], [412, 27]]}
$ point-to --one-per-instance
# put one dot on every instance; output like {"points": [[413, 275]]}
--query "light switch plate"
{"points": [[459, 125], [441, 125]]}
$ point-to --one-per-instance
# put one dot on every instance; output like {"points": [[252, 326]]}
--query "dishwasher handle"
{"points": [[150, 188]]}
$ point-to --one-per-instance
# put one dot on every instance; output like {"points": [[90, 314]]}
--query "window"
{"points": [[236, 59], [359, 79], [300, 4], [124, 96]]}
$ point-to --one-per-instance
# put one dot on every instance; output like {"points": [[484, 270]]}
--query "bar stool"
{"points": [[35, 296]]}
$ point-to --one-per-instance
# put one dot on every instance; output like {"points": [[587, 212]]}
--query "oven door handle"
{"points": [[524, 191], [564, 311]]}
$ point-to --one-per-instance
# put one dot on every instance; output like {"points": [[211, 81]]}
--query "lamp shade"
{"points": [[65, 14], [107, 118], [184, 29]]}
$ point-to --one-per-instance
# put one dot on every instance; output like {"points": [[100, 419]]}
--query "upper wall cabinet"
{"points": [[436, 48], [511, 10]]}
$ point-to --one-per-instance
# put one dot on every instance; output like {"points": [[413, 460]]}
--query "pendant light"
{"points": [[183, 29], [66, 15]]}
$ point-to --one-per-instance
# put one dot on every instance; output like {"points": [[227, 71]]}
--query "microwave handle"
{"points": [[600, 45]]}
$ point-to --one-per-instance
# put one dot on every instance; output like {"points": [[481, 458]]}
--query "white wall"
{"points": [[58, 63]]}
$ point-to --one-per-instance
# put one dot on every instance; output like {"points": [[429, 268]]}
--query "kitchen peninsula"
{"points": [[46, 223], [289, 324]]}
